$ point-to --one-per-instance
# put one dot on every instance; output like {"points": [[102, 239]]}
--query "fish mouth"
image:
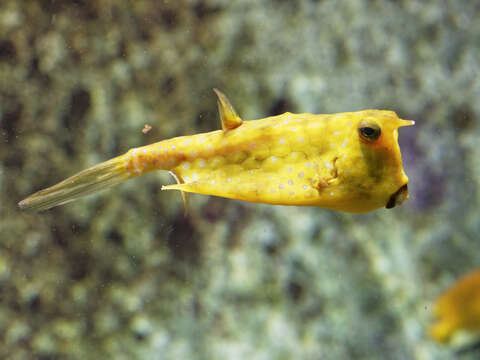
{"points": [[398, 197]]}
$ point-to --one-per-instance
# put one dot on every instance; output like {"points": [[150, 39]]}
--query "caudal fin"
{"points": [[96, 178]]}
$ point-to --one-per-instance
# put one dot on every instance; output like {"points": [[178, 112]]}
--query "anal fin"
{"points": [[182, 193], [186, 187]]}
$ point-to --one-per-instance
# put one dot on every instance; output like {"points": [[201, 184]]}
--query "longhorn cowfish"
{"points": [[457, 311], [347, 161]]}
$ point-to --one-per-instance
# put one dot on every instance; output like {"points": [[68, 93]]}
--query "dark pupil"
{"points": [[368, 131]]}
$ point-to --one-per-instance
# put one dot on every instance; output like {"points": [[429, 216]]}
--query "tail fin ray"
{"points": [[96, 178]]}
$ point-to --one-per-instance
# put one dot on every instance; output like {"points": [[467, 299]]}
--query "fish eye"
{"points": [[369, 130]]}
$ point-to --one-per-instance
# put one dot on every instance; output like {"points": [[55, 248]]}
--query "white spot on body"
{"points": [[281, 141], [188, 141], [201, 139], [332, 193], [281, 186], [186, 165], [301, 139], [328, 165], [345, 143], [336, 133], [212, 182], [252, 172], [195, 177], [272, 191], [300, 175], [308, 164], [332, 145], [289, 169], [305, 187], [273, 158], [229, 179], [201, 163], [173, 147], [290, 182]]}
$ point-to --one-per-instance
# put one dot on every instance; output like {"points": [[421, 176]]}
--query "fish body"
{"points": [[348, 161], [458, 309]]}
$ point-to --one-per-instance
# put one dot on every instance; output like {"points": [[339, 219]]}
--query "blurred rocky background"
{"points": [[124, 275]]}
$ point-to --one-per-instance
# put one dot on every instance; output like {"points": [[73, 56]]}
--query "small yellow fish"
{"points": [[348, 161], [458, 309]]}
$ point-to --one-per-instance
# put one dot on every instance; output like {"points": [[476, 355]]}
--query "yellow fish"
{"points": [[458, 309], [348, 161]]}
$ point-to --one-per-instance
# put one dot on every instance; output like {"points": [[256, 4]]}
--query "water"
{"points": [[125, 275]]}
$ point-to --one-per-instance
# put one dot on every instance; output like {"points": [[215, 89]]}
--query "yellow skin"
{"points": [[458, 309], [289, 159]]}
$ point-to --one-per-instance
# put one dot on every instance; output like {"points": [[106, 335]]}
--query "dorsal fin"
{"points": [[228, 115]]}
